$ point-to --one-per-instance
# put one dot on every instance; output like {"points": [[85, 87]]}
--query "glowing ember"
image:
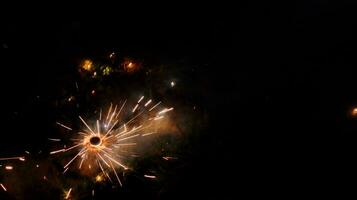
{"points": [[87, 65]]}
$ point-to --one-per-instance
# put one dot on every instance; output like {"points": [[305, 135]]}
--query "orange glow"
{"points": [[87, 65], [131, 66], [354, 111], [98, 178]]}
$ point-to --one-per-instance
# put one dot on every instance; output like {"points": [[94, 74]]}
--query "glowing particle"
{"points": [[3, 187], [68, 193], [147, 103], [87, 65], [93, 92], [354, 112], [168, 158], [165, 111], [64, 126], [98, 178], [71, 98], [9, 167], [130, 65], [172, 84], [37, 166], [149, 176], [22, 159]]}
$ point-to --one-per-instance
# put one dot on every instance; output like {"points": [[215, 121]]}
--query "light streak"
{"points": [[3, 187]]}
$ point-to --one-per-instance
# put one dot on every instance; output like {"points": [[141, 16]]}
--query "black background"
{"points": [[277, 82]]}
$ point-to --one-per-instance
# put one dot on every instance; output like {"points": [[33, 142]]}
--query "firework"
{"points": [[105, 143]]}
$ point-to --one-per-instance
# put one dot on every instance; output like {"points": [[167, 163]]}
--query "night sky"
{"points": [[263, 97]]}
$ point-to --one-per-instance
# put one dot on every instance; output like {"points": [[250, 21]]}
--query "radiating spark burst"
{"points": [[103, 144]]}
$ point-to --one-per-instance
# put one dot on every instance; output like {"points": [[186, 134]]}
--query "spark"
{"points": [[102, 144], [68, 193], [3, 187], [146, 134], [158, 118], [172, 83], [9, 167], [98, 178], [165, 111], [136, 106], [13, 158], [168, 158], [155, 106], [55, 140], [64, 126], [149, 176], [141, 99], [147, 103]]}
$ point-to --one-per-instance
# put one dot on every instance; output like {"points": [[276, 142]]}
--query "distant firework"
{"points": [[104, 145]]}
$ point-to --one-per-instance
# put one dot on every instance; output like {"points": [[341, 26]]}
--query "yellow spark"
{"points": [[98, 178], [3, 187], [68, 193]]}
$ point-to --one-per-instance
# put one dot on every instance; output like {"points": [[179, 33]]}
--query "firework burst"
{"points": [[105, 144]]}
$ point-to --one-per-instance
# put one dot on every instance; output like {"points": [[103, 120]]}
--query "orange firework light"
{"points": [[131, 66], [104, 146], [354, 112], [87, 65]]}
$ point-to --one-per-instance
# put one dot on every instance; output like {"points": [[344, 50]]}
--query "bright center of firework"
{"points": [[95, 141]]}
